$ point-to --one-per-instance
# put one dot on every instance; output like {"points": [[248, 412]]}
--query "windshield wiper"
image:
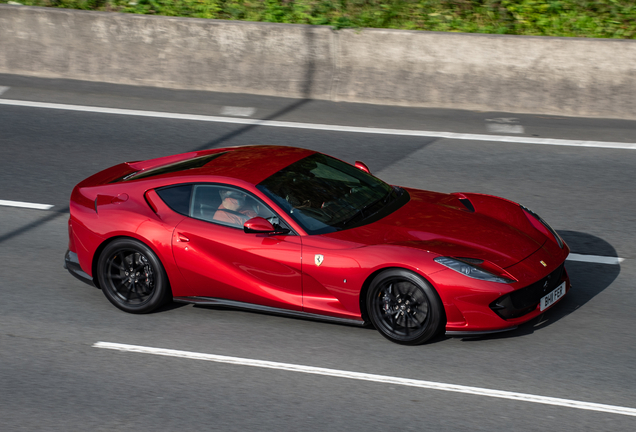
{"points": [[395, 189], [362, 211]]}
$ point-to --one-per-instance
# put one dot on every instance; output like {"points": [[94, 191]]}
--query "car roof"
{"points": [[251, 164]]}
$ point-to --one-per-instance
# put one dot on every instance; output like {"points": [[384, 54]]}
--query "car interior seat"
{"points": [[205, 202]]}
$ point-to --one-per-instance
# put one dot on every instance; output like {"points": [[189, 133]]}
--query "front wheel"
{"points": [[404, 307], [132, 277]]}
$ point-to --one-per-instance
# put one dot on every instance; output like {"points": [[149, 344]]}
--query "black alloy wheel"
{"points": [[132, 277], [404, 307]]}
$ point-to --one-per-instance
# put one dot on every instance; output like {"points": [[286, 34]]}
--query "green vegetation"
{"points": [[582, 18]]}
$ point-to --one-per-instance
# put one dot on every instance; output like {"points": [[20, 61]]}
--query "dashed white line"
{"points": [[238, 111], [3, 89], [504, 125], [524, 397], [598, 259], [21, 204], [325, 127], [504, 128]]}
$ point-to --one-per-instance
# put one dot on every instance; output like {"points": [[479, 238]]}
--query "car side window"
{"points": [[226, 205]]}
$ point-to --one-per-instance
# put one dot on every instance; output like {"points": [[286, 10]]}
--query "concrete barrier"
{"points": [[544, 75]]}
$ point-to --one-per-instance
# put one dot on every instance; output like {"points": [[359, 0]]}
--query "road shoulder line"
{"points": [[324, 127]]}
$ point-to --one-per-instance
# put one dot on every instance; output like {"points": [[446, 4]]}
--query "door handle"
{"points": [[183, 238]]}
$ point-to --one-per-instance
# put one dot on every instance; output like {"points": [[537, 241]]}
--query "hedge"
{"points": [[579, 18]]}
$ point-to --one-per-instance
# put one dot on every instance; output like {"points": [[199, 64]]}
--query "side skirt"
{"points": [[209, 301]]}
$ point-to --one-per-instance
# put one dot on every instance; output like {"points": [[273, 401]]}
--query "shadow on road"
{"points": [[588, 280], [52, 214]]}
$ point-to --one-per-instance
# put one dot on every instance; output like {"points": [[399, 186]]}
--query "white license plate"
{"points": [[549, 299]]}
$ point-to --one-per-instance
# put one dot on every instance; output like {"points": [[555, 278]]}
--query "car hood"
{"points": [[497, 230]]}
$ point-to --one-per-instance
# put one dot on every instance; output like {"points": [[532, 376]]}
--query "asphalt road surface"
{"points": [[53, 378]]}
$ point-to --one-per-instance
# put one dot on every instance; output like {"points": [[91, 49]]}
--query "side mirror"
{"points": [[259, 225], [363, 167]]}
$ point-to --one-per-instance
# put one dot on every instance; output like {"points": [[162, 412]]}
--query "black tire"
{"points": [[132, 277], [416, 312]]}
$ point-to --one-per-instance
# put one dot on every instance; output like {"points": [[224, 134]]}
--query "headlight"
{"points": [[533, 218], [469, 267]]}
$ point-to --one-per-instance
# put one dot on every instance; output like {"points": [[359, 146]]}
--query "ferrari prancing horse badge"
{"points": [[318, 259]]}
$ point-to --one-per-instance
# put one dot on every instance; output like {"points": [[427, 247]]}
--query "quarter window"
{"points": [[177, 198]]}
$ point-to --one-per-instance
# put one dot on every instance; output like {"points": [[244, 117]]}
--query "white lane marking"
{"points": [[370, 377], [324, 127], [25, 205], [504, 128], [3, 89], [595, 259], [238, 111], [504, 125]]}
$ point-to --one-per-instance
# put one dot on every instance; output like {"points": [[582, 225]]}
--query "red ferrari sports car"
{"points": [[292, 231]]}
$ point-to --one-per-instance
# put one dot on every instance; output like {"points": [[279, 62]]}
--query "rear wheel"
{"points": [[404, 307], [132, 277]]}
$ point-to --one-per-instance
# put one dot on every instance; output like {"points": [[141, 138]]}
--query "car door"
{"points": [[219, 260]]}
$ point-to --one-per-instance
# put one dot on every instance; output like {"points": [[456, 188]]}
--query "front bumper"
{"points": [[525, 300], [71, 263], [474, 315]]}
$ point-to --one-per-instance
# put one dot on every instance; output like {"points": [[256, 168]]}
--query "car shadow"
{"points": [[588, 280]]}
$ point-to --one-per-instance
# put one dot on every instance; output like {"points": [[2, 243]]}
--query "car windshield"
{"points": [[323, 194]]}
